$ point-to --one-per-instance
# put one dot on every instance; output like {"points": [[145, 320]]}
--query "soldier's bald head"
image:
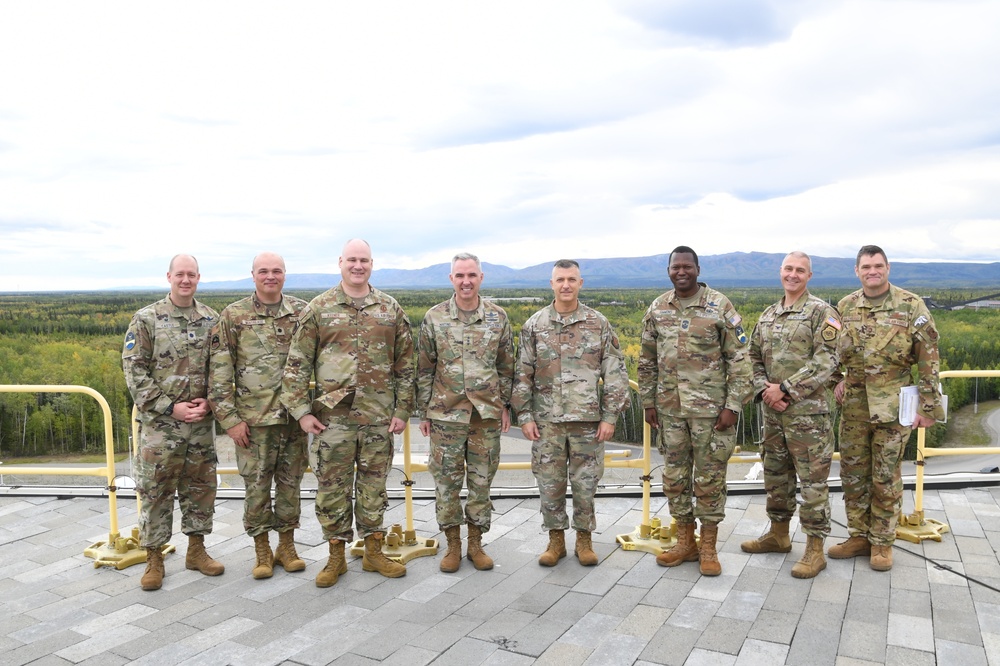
{"points": [[354, 245], [269, 258], [183, 256]]}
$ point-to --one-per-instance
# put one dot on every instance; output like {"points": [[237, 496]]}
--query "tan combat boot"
{"points": [[812, 561], [853, 547], [881, 558], [153, 578], [475, 553], [774, 540], [335, 567], [453, 558], [375, 560], [556, 549], [198, 558], [585, 549], [707, 556], [264, 568], [285, 554], [685, 550]]}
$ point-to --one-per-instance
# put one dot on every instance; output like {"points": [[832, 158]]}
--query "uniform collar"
{"points": [[194, 313], [797, 306], [345, 299], [262, 308], [453, 309], [580, 314]]}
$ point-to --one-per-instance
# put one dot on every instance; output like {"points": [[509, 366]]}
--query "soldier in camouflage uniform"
{"points": [[793, 351], [694, 377], [566, 349], [887, 331], [165, 359], [356, 340], [465, 368], [249, 348]]}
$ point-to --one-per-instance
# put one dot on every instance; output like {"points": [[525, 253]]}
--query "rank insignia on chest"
{"points": [[685, 324], [192, 335]]}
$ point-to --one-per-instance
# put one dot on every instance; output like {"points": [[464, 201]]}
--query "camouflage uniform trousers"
{"points": [[464, 453], [798, 445], [567, 449], [333, 455], [870, 459], [175, 457], [695, 461], [278, 453]]}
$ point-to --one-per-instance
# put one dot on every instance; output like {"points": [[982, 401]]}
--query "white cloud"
{"points": [[520, 131]]}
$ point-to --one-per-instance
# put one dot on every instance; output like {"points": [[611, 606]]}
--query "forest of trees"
{"points": [[77, 338]]}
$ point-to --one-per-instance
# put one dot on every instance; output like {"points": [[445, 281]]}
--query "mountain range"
{"points": [[735, 269]]}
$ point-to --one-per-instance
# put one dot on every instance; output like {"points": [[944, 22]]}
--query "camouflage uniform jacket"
{"points": [[366, 352], [461, 367], [878, 348], [165, 357], [249, 348], [561, 360], [693, 361], [797, 348]]}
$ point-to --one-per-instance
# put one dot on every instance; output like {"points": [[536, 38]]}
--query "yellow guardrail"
{"points": [[916, 527], [108, 552]]}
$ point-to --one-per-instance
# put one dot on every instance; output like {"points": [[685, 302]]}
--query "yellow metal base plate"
{"points": [[121, 552], [400, 546], [648, 538], [402, 553], [915, 528]]}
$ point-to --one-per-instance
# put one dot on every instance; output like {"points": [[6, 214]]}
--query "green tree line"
{"points": [[76, 339]]}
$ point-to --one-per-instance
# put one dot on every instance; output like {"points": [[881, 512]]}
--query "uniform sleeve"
{"points": [[426, 365], [739, 374], [757, 362], [817, 370], [222, 374], [403, 367], [648, 362], [506, 363], [524, 378], [299, 366], [925, 350], [137, 363], [615, 397]]}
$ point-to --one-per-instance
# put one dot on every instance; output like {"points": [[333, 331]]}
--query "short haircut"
{"points": [[683, 249], [566, 263], [801, 255], [466, 256], [170, 269], [870, 250]]}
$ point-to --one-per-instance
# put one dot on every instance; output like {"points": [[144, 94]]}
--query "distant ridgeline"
{"points": [[736, 269]]}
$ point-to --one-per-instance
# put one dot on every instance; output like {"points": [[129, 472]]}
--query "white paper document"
{"points": [[909, 401]]}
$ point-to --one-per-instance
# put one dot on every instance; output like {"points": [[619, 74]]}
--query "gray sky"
{"points": [[521, 131]]}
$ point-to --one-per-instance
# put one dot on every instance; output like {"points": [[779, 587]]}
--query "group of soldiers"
{"points": [[249, 368]]}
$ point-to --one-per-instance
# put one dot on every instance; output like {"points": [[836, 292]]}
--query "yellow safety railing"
{"points": [[112, 551], [915, 527]]}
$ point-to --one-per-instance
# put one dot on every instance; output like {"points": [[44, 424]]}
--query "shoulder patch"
{"points": [[832, 321], [129, 340], [829, 333], [921, 320]]}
